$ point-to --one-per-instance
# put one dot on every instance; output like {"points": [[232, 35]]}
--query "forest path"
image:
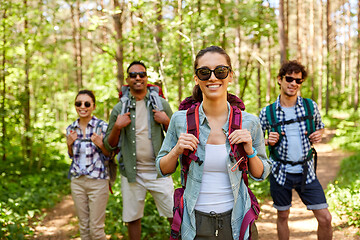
{"points": [[302, 222], [60, 222]]}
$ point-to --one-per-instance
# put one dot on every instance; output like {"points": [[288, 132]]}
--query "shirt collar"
{"points": [[92, 122], [299, 102], [202, 116]]}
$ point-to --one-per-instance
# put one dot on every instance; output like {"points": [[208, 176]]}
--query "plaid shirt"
{"points": [[94, 160], [278, 169]]}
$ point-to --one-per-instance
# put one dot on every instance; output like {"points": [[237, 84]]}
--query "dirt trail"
{"points": [[302, 222], [61, 223]]}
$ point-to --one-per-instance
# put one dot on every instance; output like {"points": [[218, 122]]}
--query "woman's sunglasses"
{"points": [[79, 103], [290, 79], [220, 72], [134, 74]]}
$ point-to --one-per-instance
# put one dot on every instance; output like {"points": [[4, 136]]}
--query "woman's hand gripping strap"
{"points": [[237, 153]]}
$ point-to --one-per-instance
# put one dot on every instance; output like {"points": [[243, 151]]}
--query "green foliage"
{"points": [[153, 226], [25, 192], [344, 194]]}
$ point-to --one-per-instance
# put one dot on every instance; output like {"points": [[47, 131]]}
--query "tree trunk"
{"points": [[221, 12], [75, 45], [356, 95], [158, 35], [79, 40], [282, 39], [268, 75], [238, 52], [328, 32], [343, 50], [26, 96], [258, 82], [298, 31], [311, 49], [349, 51], [320, 55], [3, 78], [181, 74], [118, 22]]}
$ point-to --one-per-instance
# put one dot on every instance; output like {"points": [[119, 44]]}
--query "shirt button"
{"points": [[133, 116], [134, 104], [133, 154], [134, 167], [133, 129], [133, 141]]}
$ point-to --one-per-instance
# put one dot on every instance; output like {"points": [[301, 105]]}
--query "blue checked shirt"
{"points": [[94, 160], [282, 148]]}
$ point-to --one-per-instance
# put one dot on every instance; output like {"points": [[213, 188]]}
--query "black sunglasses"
{"points": [[134, 74], [220, 72], [290, 79], [79, 103]]}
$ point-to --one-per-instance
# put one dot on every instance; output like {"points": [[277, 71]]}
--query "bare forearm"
{"points": [[113, 138], [70, 150], [256, 167], [168, 162]]}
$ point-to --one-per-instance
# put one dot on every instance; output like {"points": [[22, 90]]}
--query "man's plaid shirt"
{"points": [[278, 169], [94, 160]]}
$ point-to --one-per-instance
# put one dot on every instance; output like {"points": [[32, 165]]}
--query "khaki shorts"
{"points": [[162, 190]]}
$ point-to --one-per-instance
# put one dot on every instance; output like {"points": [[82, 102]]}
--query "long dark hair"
{"points": [[197, 93], [86, 92]]}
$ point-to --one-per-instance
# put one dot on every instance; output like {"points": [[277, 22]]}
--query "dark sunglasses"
{"points": [[79, 103], [290, 79], [134, 74], [220, 72]]}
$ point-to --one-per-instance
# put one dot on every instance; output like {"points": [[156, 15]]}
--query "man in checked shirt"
{"points": [[293, 124]]}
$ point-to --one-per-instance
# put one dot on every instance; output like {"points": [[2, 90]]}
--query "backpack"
{"points": [[237, 155], [110, 164], [275, 126], [155, 92]]}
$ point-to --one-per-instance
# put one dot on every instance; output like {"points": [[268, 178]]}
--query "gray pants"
{"points": [[217, 226]]}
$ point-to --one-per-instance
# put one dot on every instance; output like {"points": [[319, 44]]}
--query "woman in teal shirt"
{"points": [[212, 189]]}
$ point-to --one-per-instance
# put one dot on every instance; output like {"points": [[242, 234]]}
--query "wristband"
{"points": [[252, 155]]}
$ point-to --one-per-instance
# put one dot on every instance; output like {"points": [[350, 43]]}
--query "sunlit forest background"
{"points": [[50, 49]]}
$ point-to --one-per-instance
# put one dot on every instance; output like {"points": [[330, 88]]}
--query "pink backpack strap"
{"points": [[252, 214]]}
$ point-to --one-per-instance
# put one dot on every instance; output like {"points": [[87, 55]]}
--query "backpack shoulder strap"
{"points": [[272, 118], [124, 99], [155, 98], [192, 120], [98, 127], [309, 113]]}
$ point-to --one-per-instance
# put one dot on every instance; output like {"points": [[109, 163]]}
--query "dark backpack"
{"points": [[275, 126], [237, 155]]}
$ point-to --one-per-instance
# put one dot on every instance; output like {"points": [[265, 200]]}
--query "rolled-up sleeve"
{"points": [[176, 126], [257, 136]]}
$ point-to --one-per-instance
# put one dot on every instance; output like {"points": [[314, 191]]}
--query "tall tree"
{"points": [[356, 95], [320, 54], [181, 74], [282, 38], [118, 22], [328, 32], [26, 95], [3, 79]]}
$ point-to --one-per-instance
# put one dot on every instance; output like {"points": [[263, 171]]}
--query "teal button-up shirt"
{"points": [[242, 202], [127, 149]]}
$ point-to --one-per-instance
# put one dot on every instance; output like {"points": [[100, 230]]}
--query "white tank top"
{"points": [[215, 191]]}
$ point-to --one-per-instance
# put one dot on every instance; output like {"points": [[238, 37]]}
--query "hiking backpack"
{"points": [[155, 92], [237, 155], [275, 126]]}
